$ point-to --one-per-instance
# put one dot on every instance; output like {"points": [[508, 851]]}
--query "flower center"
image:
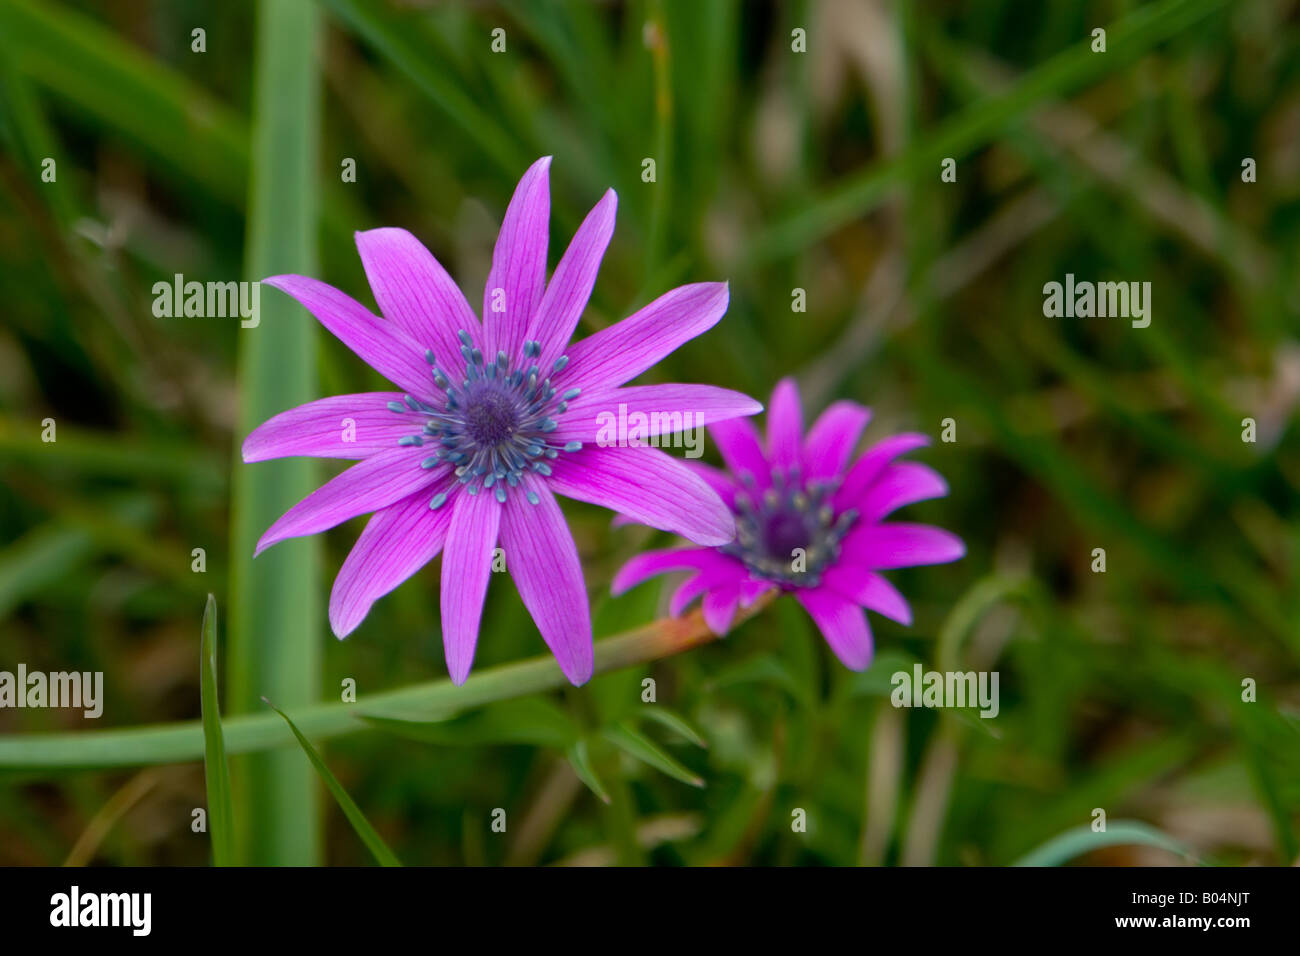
{"points": [[489, 415], [790, 534], [493, 426]]}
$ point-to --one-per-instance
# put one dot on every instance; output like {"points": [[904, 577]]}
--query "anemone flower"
{"points": [[808, 527], [494, 419]]}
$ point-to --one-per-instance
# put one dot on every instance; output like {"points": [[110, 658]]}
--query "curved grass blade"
{"points": [[393, 41], [580, 759], [676, 723], [530, 720], [1072, 843], [182, 741], [1067, 72], [216, 772], [191, 132], [369, 836], [635, 744]]}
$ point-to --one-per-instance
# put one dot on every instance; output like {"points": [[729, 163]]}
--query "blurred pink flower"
{"points": [[806, 526]]}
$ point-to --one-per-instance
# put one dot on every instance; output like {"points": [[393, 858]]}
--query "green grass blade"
{"points": [[580, 759], [1065, 73], [246, 733], [635, 744], [1072, 843], [676, 723], [216, 773], [530, 720], [154, 107], [276, 633], [369, 836], [393, 41]]}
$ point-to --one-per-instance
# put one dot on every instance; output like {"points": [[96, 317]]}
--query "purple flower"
{"points": [[492, 421], [806, 526]]}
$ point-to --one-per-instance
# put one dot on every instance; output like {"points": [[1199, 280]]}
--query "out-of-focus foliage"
{"points": [[775, 170]]}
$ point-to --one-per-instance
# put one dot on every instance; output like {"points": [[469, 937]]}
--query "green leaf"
{"points": [[369, 836], [275, 632], [216, 773], [245, 733], [139, 99], [395, 42], [531, 720], [581, 761], [1070, 70], [765, 668], [634, 744], [1072, 843], [876, 680], [674, 722]]}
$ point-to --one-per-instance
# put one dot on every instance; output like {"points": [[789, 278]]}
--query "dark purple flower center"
{"points": [[494, 425], [784, 531], [789, 534], [490, 414]]}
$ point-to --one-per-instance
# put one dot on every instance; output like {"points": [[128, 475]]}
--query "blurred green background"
{"points": [[776, 170]]}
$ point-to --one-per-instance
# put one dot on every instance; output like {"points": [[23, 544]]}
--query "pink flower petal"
{"points": [[466, 568], [570, 287], [869, 589], [784, 425], [832, 439], [738, 443], [518, 264], [416, 294], [718, 480], [341, 426], [623, 351], [871, 463], [719, 607], [381, 345], [900, 545], [842, 623], [900, 484], [727, 574], [397, 542], [543, 560], [649, 563], [596, 417], [687, 592], [752, 588], [648, 485], [369, 485]]}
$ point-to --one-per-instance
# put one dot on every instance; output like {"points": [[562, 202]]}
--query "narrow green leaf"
{"points": [[246, 733], [140, 99], [1070, 70], [393, 41], [765, 668], [877, 680], [1072, 843], [275, 619], [674, 722], [581, 762], [635, 744], [216, 773], [531, 720], [369, 836]]}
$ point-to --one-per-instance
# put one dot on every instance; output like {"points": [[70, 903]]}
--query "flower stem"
{"points": [[248, 733]]}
